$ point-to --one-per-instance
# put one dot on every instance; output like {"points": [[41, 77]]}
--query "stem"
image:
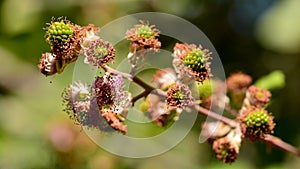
{"points": [[141, 95], [215, 116], [146, 92], [116, 72], [281, 144], [142, 84], [230, 110]]}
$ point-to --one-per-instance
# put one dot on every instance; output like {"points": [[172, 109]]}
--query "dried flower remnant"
{"points": [[110, 93], [97, 51], [158, 110], [256, 123], [238, 82], [102, 91], [114, 120], [256, 97], [112, 100], [237, 85], [121, 98], [76, 100], [214, 130], [48, 64], [179, 96], [143, 36], [192, 61], [227, 148]]}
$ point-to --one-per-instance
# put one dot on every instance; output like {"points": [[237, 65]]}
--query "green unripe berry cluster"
{"points": [[101, 51], [178, 95], [144, 31], [59, 32], [257, 121], [196, 60]]}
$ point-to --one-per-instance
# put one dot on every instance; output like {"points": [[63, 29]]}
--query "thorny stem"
{"points": [[275, 141]]}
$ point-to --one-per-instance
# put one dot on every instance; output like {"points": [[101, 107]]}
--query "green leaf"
{"points": [[274, 80]]}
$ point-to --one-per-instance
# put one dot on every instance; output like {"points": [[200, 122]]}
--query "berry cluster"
{"points": [[104, 104]]}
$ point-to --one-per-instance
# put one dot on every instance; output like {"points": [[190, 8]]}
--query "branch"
{"points": [[142, 84], [145, 93], [116, 72], [275, 141], [215, 116]]}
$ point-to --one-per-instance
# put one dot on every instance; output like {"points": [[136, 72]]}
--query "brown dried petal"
{"points": [[47, 64], [113, 120]]}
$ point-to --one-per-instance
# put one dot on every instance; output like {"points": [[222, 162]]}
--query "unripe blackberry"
{"points": [[191, 62], [256, 123], [143, 36], [196, 60], [59, 32], [257, 119], [144, 31]]}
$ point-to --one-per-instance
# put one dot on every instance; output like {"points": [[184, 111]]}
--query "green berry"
{"points": [[196, 60], [257, 122], [178, 95], [101, 51], [144, 31], [59, 32]]}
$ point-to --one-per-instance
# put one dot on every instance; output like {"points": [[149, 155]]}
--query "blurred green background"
{"points": [[253, 36]]}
